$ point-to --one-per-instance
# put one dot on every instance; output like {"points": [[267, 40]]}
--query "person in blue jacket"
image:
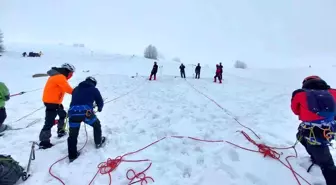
{"points": [[82, 110]]}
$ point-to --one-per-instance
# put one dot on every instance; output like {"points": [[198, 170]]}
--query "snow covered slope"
{"points": [[140, 112]]}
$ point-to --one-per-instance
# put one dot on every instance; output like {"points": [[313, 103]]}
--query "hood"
{"points": [[86, 84], [316, 84], [55, 71]]}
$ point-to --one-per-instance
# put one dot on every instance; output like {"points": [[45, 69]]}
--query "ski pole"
{"points": [[25, 175], [17, 94]]}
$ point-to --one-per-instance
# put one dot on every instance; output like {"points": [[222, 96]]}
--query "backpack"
{"points": [[10, 170], [322, 103]]}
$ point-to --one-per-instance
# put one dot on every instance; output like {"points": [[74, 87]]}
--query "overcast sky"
{"points": [[206, 31]]}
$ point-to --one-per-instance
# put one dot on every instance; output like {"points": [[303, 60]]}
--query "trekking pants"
{"points": [[52, 110], [74, 126], [152, 74], [218, 75], [3, 117], [198, 74], [183, 74], [320, 155]]}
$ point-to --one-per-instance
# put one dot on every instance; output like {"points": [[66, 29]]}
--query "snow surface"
{"points": [[150, 110]]}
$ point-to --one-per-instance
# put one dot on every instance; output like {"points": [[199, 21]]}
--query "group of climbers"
{"points": [[182, 71], [314, 104], [81, 108]]}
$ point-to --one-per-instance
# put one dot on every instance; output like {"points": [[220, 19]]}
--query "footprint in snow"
{"points": [[187, 172], [234, 156], [170, 111], [198, 149], [155, 116], [229, 170], [254, 179], [200, 160]]}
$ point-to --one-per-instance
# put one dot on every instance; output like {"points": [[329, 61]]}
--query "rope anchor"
{"points": [[25, 175]]}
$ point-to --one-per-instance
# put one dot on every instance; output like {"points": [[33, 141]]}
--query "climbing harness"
{"points": [[325, 132]]}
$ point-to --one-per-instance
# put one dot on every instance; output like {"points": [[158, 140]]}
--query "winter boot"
{"points": [[61, 133], [215, 80], [45, 145], [220, 81], [74, 158], [102, 142], [4, 127]]}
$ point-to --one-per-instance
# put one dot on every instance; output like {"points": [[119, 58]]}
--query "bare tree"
{"points": [[240, 64], [2, 47], [151, 52]]}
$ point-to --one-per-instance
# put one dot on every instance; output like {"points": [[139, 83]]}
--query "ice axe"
{"points": [[39, 75], [26, 174], [17, 94]]}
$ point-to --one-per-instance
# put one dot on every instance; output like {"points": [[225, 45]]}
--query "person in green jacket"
{"points": [[4, 96]]}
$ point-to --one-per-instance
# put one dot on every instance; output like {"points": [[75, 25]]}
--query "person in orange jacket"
{"points": [[53, 94]]}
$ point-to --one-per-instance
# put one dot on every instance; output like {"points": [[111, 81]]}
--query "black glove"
{"points": [[100, 109], [7, 97], [61, 107]]}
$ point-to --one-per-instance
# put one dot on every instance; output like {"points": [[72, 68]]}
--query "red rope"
{"points": [[86, 140], [264, 149], [112, 164], [268, 151], [225, 110], [50, 172]]}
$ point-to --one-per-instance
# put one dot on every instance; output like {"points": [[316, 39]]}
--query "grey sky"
{"points": [[206, 31]]}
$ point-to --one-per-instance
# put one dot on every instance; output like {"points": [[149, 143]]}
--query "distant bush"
{"points": [[240, 64], [2, 47], [176, 59], [78, 45], [151, 52]]}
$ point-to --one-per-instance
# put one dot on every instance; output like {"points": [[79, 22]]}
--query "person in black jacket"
{"points": [[81, 110], [154, 71], [198, 71], [182, 67]]}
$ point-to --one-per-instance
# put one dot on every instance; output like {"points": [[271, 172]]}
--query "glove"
{"points": [[7, 97], [61, 107], [99, 109]]}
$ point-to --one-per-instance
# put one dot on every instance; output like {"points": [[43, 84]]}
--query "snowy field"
{"points": [[140, 112]]}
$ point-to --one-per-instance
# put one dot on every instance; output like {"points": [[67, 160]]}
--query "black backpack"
{"points": [[10, 170]]}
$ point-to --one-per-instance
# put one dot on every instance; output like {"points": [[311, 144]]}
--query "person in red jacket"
{"points": [[218, 74], [315, 106]]}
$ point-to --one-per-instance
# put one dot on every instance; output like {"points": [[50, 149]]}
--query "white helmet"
{"points": [[69, 67]]}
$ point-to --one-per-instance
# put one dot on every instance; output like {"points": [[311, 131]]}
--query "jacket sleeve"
{"points": [[4, 92], [63, 83], [99, 100], [295, 102]]}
